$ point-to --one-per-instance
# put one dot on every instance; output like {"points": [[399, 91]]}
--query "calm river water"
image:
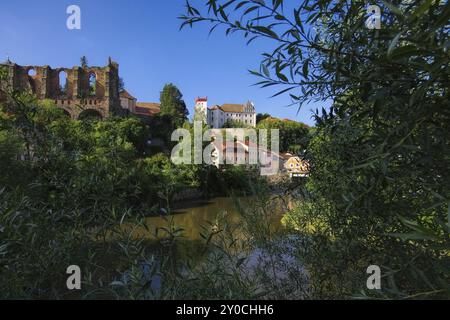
{"points": [[197, 217], [201, 217]]}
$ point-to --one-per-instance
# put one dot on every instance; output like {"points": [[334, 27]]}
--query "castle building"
{"points": [[127, 101], [218, 115], [148, 109], [140, 109], [78, 91]]}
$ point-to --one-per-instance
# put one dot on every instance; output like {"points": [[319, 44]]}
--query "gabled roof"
{"points": [[126, 94], [234, 107], [150, 105], [230, 107], [147, 108]]}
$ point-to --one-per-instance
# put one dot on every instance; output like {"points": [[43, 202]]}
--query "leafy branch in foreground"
{"points": [[323, 48]]}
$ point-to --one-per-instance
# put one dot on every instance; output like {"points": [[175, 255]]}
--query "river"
{"points": [[200, 217], [187, 225]]}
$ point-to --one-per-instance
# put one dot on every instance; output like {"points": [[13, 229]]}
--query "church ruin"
{"points": [[80, 91]]}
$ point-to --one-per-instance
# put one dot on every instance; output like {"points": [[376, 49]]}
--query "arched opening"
{"points": [[31, 74], [90, 114], [92, 84], [63, 83]]}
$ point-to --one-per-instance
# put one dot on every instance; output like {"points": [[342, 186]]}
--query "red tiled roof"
{"points": [[230, 107], [150, 105], [126, 94], [147, 108]]}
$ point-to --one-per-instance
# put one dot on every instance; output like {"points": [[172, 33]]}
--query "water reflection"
{"points": [[194, 218], [201, 218]]}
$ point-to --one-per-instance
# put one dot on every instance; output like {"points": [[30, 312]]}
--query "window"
{"points": [[92, 84], [31, 74], [62, 82]]}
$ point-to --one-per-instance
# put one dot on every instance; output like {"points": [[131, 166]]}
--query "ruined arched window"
{"points": [[31, 74], [92, 84], [63, 83]]}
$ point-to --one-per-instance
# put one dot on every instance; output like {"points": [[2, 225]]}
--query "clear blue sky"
{"points": [[143, 37]]}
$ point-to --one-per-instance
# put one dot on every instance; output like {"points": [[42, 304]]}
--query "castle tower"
{"points": [[201, 109]]}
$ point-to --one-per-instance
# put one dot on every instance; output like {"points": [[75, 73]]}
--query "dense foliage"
{"points": [[261, 116], [172, 105], [378, 192], [294, 135], [66, 188]]}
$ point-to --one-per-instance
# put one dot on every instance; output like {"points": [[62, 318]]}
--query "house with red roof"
{"points": [[143, 109]]}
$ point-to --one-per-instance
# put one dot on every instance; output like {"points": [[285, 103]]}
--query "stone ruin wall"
{"points": [[76, 98]]}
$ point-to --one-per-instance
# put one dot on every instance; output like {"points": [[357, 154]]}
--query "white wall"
{"points": [[216, 118], [128, 104]]}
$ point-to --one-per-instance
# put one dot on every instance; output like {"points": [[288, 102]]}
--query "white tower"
{"points": [[201, 109]]}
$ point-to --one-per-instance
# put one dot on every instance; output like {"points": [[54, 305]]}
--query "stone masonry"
{"points": [[93, 90]]}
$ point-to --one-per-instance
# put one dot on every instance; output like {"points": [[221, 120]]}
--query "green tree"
{"points": [[294, 136], [173, 105], [261, 116], [84, 62], [230, 123]]}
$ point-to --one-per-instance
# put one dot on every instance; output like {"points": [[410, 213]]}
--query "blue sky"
{"points": [[143, 37]]}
